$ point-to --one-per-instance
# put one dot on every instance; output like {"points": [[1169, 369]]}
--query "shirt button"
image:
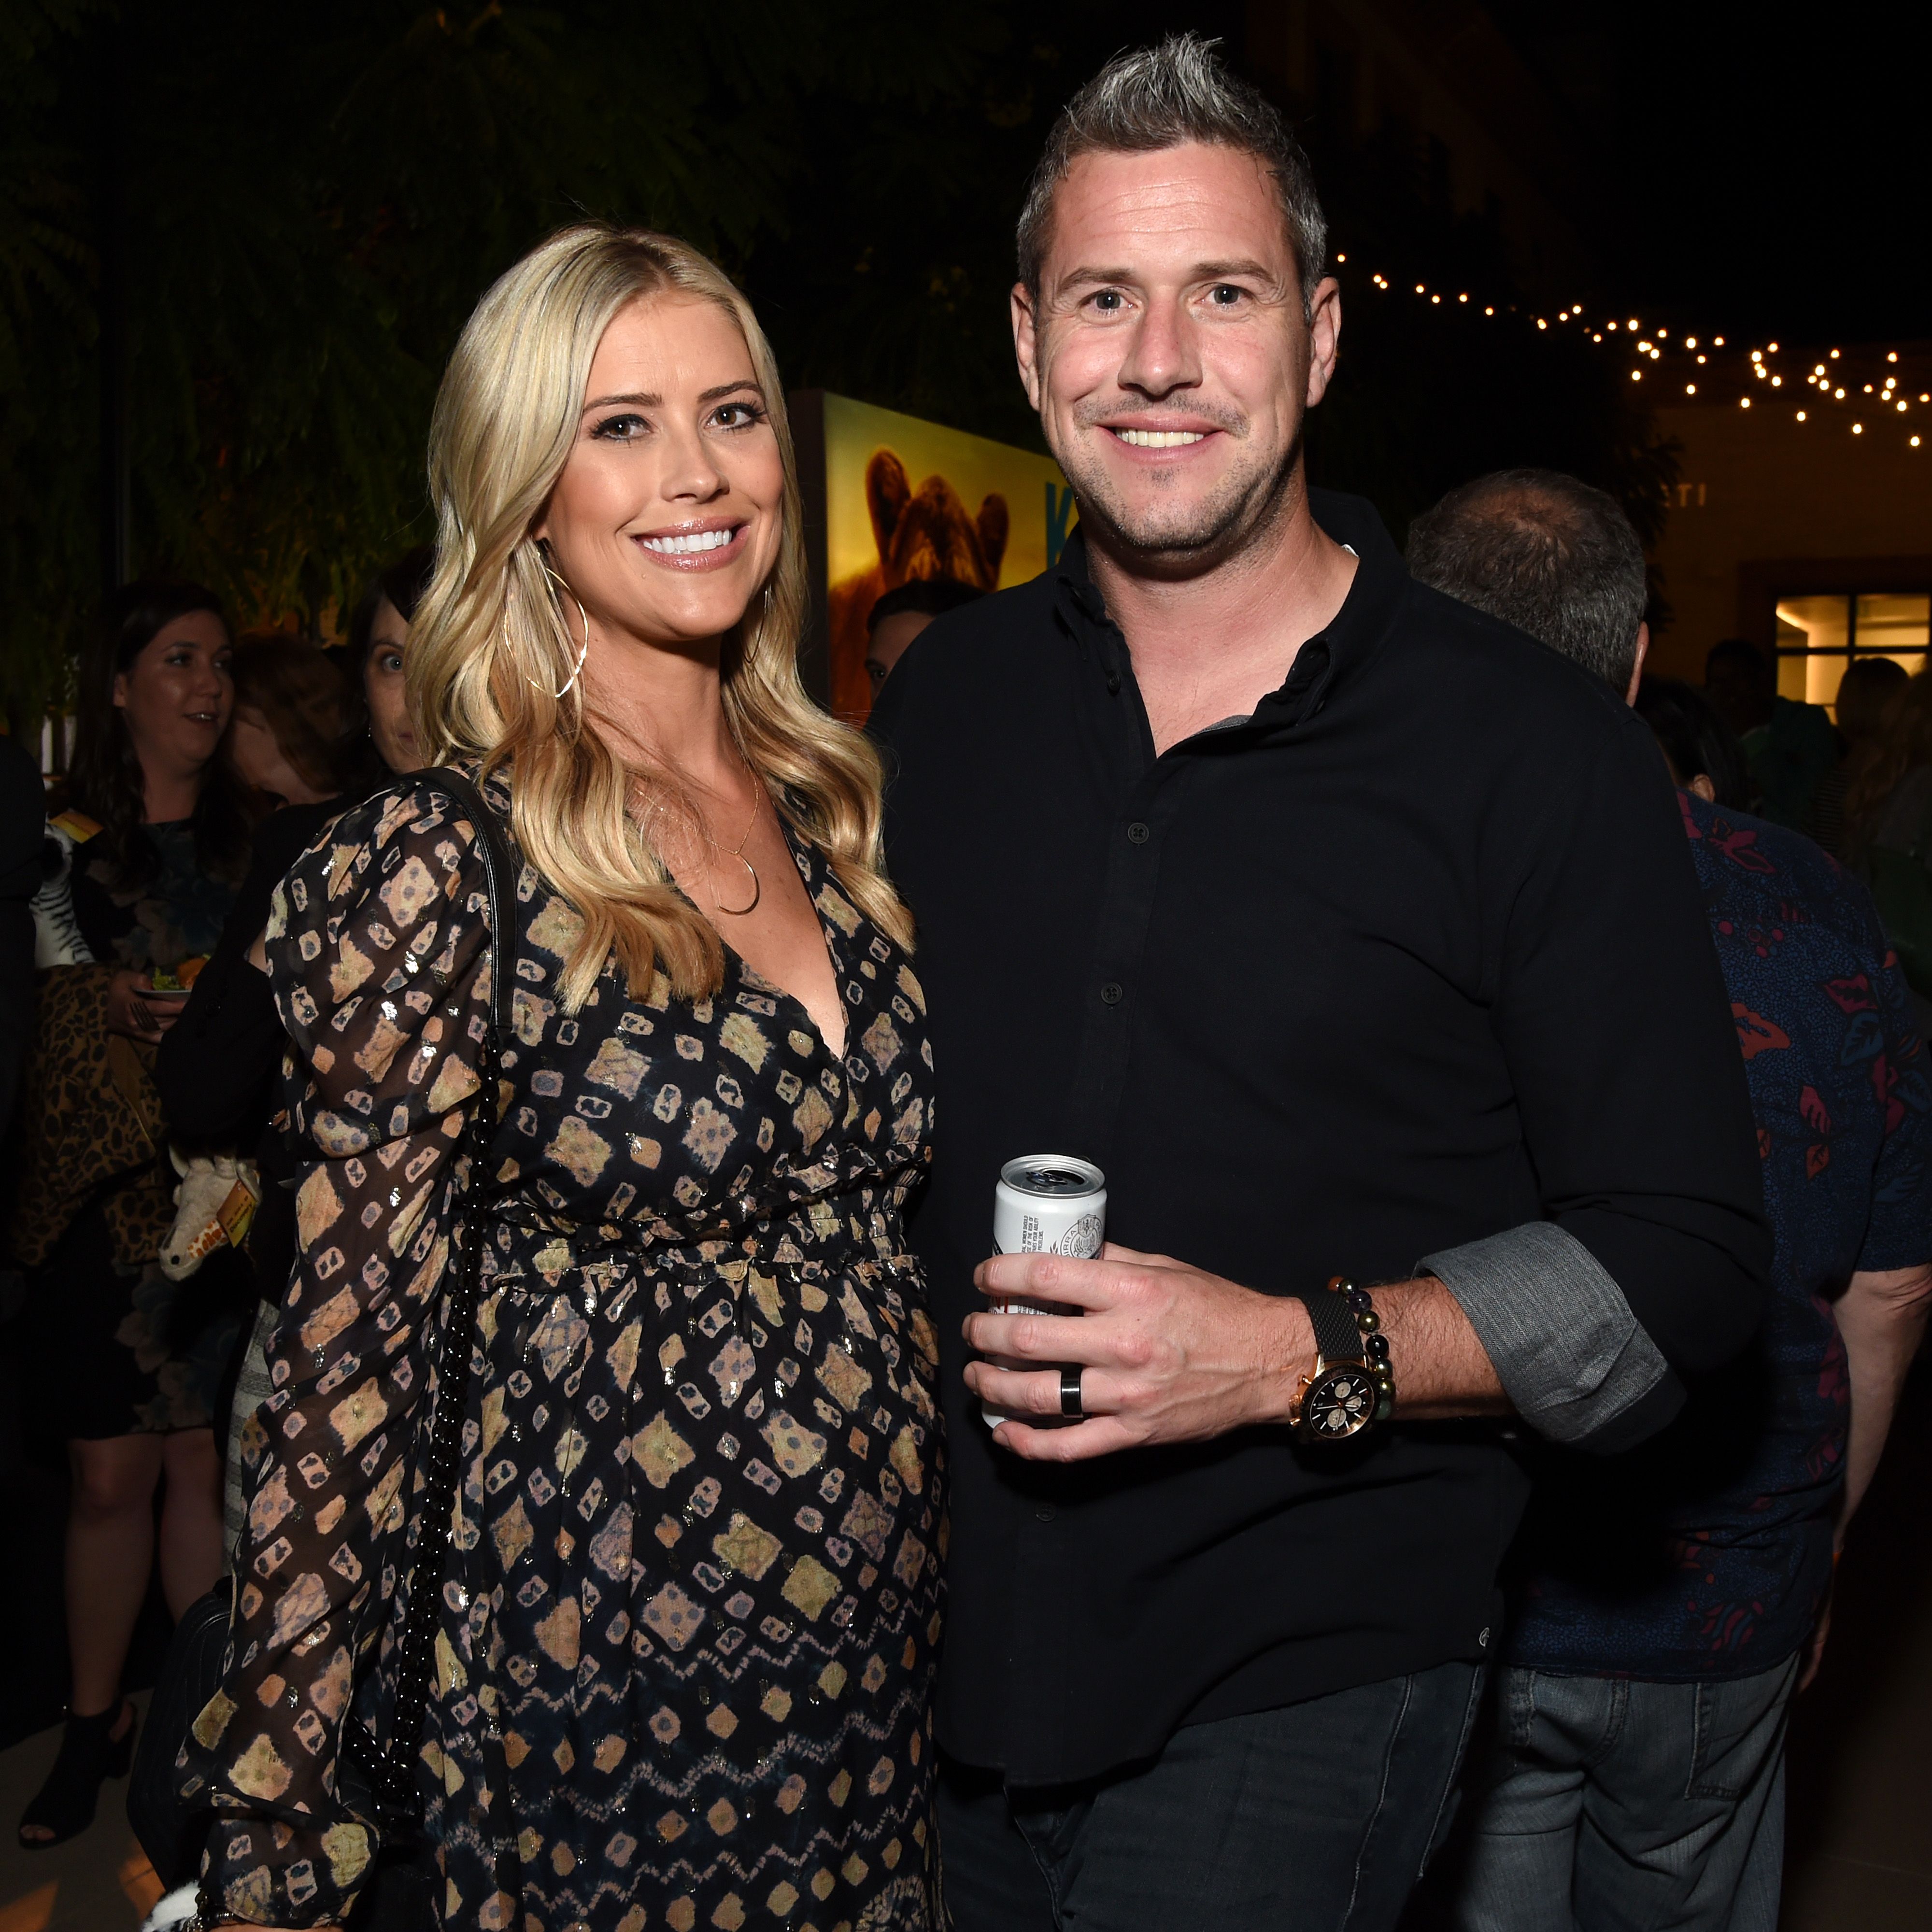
{"points": [[1113, 684], [1112, 993], [1137, 834], [1044, 1513]]}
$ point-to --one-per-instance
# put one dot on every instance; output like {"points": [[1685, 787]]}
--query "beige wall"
{"points": [[1758, 487]]}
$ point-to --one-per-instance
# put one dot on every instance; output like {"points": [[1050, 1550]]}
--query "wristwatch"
{"points": [[1350, 1388]]}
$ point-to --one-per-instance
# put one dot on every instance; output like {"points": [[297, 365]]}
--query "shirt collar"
{"points": [[1380, 581]]}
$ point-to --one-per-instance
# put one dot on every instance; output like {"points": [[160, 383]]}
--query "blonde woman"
{"points": [[688, 1621]]}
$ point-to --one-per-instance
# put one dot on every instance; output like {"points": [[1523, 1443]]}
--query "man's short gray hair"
{"points": [[1546, 553], [1152, 98]]}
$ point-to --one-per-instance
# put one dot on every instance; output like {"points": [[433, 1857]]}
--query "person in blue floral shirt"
{"points": [[1667, 1603]]}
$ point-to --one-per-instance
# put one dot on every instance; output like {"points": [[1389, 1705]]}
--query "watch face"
{"points": [[1340, 1402]]}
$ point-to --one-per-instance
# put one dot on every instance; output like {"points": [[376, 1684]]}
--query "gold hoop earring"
{"points": [[582, 612]]}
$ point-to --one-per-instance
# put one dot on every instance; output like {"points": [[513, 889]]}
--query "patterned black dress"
{"points": [[688, 1634]]}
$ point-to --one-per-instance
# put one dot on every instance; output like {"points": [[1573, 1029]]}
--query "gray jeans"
{"points": [[1607, 1804]]}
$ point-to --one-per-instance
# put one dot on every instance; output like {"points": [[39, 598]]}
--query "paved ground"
{"points": [[1860, 1853]]}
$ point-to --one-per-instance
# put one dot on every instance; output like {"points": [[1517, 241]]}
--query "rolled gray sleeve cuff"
{"points": [[1569, 1354]]}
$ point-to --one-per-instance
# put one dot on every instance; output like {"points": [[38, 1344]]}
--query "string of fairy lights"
{"points": [[1708, 367]]}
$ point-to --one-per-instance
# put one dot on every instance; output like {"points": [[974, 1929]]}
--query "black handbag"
{"points": [[170, 1832], [377, 1778]]}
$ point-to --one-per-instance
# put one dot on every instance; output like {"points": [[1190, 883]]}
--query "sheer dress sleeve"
{"points": [[377, 951]]}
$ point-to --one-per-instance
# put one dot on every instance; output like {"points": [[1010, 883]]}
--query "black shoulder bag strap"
{"points": [[391, 1768]]}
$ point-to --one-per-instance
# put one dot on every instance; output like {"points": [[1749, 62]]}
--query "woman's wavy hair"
{"points": [[105, 779], [1903, 743], [298, 692], [490, 644]]}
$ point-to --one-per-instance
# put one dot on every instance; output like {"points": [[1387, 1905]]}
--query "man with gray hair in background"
{"points": [[1666, 1603], [1401, 1047], [1554, 557]]}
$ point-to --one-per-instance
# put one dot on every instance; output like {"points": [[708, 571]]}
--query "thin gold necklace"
{"points": [[737, 852]]}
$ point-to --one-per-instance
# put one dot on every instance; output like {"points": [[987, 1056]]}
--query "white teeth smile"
{"points": [[690, 545], [1160, 439]]}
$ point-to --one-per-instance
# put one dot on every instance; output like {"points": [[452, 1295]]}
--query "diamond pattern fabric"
{"points": [[689, 1615]]}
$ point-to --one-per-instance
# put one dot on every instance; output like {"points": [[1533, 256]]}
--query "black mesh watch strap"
{"points": [[1336, 1335]]}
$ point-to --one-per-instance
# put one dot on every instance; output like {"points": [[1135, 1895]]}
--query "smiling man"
{"points": [[1352, 934]]}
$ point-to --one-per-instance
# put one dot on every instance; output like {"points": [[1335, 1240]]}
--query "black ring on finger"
{"points": [[1069, 1392]]}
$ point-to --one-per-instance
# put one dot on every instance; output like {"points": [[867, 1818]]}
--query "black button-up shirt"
{"points": [[1412, 957]]}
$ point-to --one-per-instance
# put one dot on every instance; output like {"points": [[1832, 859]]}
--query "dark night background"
{"points": [[1762, 168], [309, 201]]}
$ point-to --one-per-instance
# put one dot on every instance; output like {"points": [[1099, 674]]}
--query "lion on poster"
{"points": [[926, 532]]}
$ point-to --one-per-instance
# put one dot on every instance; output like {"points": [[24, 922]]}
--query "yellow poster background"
{"points": [[905, 498]]}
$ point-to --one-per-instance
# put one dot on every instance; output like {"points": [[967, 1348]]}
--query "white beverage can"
{"points": [[1046, 1204]]}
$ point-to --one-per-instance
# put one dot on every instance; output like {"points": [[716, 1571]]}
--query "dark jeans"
{"points": [[1317, 1817]]}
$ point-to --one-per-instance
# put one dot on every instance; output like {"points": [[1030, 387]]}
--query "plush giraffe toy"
{"points": [[214, 1203]]}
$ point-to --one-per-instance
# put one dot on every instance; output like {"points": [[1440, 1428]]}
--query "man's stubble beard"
{"points": [[1183, 539]]}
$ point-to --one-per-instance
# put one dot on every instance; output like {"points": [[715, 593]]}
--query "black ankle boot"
{"points": [[64, 1806]]}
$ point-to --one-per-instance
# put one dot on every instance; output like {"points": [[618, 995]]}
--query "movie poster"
{"points": [[904, 498]]}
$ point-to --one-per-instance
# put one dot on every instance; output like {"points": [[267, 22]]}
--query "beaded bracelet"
{"points": [[1374, 1343]]}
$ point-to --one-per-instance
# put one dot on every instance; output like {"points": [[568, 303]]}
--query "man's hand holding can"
{"points": [[1166, 1353]]}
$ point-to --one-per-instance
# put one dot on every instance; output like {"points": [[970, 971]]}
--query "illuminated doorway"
{"points": [[1818, 636]]}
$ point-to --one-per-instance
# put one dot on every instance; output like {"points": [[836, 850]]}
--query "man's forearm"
{"points": [[1168, 1353], [1882, 1317], [1559, 1332], [1442, 1369]]}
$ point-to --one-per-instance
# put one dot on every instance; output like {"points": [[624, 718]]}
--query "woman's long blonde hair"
{"points": [[490, 644]]}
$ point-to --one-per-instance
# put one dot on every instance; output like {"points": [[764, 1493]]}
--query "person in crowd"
{"points": [[377, 632], [291, 744], [901, 614], [1866, 693], [217, 1068], [689, 1617], [1349, 932], [1888, 832], [1669, 1600], [1704, 756], [23, 824], [291, 719], [1790, 746], [131, 1361]]}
